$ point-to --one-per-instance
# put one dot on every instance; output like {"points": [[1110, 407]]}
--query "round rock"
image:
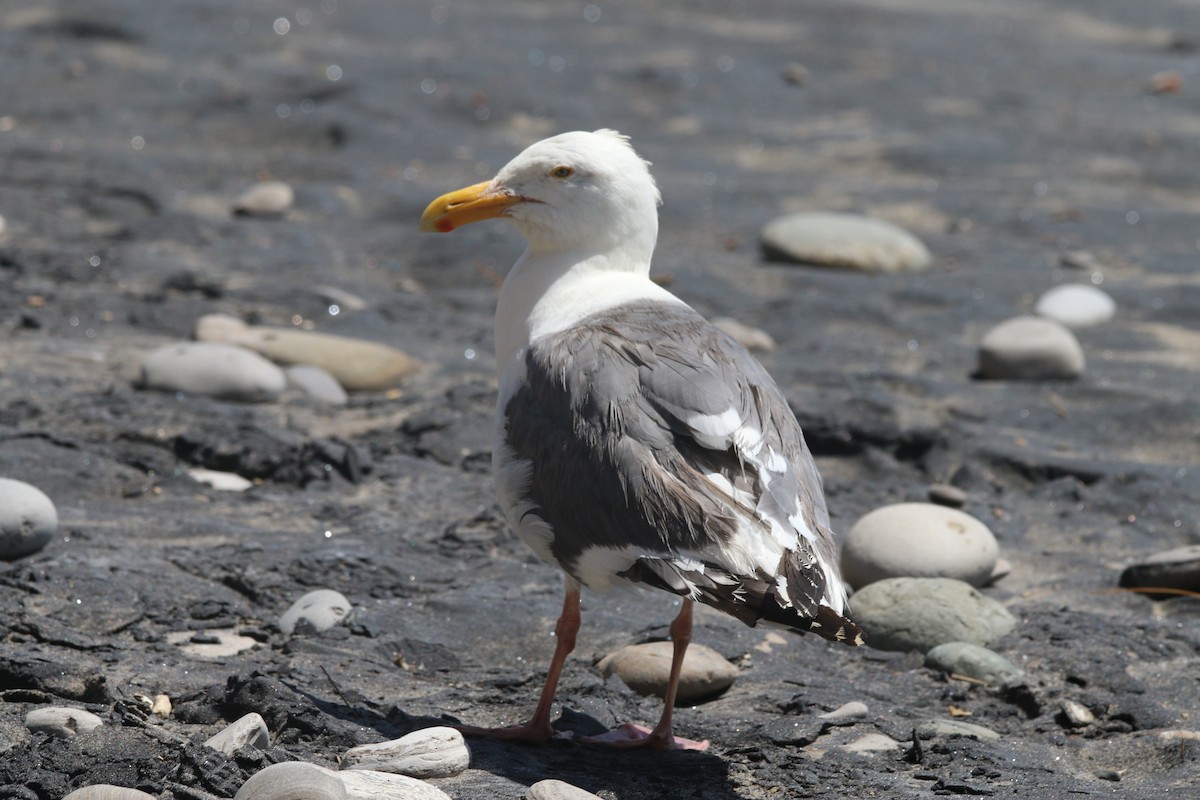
{"points": [[907, 614], [551, 789], [292, 780], [646, 668], [848, 241], [106, 791], [918, 540], [265, 199], [1171, 569], [1030, 348], [1076, 305], [28, 519], [62, 722], [437, 752], [315, 612], [972, 661], [317, 384], [212, 370]]}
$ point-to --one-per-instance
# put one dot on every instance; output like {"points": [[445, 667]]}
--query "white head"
{"points": [[585, 193]]}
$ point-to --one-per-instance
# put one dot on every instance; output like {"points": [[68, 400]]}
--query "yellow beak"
{"points": [[472, 204]]}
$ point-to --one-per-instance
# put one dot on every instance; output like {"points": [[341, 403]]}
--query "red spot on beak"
{"points": [[445, 225]]}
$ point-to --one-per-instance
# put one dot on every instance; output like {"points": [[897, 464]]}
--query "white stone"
{"points": [[849, 241], [1030, 348], [250, 730], [28, 519], [1076, 305], [551, 789], [955, 727], [846, 714], [212, 370], [268, 198], [315, 612], [317, 383], [368, 784], [646, 668], [62, 722], [216, 642], [292, 780], [1077, 714], [918, 540], [918, 614], [221, 481], [872, 743], [748, 337], [437, 752], [107, 791]]}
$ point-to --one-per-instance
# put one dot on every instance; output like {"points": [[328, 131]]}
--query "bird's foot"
{"points": [[631, 735], [531, 732]]}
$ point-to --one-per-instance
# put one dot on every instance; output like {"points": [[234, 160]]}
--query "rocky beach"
{"points": [[248, 539]]}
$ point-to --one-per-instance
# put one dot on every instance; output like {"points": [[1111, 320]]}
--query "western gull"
{"points": [[635, 442]]}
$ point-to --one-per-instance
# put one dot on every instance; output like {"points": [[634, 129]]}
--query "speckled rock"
{"points": [[972, 661], [1076, 305], [646, 668], [1030, 348], [212, 369], [250, 730], [28, 519], [315, 612], [265, 199], [437, 752], [61, 721], [848, 241], [292, 780], [921, 613], [918, 540]]}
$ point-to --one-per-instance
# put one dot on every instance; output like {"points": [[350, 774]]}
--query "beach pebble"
{"points": [[106, 791], [265, 199], [438, 752], [918, 540], [1171, 569], [292, 780], [646, 668], [221, 481], [315, 612], [558, 790], [1000, 571], [356, 364], [848, 241], [250, 730], [367, 784], [1076, 305], [748, 337], [1076, 715], [872, 743], [972, 661], [62, 722], [28, 519], [946, 495], [213, 370], [845, 714], [317, 383], [920, 613], [1030, 348], [211, 643], [795, 74], [939, 728]]}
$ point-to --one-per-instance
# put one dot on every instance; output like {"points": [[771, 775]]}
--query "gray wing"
{"points": [[648, 428]]}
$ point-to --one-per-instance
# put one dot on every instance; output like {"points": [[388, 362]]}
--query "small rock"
{"points": [[1166, 82], [848, 241], [1000, 571], [795, 74], [1077, 715], [1108, 775], [748, 337], [1030, 348], [367, 784], [920, 613], [952, 727], [646, 668], [946, 495], [872, 743], [212, 370], [1076, 305], [3, 226], [846, 714], [106, 791], [1080, 259], [212, 643], [1171, 569], [250, 730], [558, 790], [429, 753], [292, 780], [317, 383], [356, 364], [265, 199], [972, 661], [315, 612], [160, 706], [221, 481], [62, 722], [918, 540], [28, 519]]}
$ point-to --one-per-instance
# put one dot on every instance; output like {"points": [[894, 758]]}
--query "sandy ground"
{"points": [[1002, 133]]}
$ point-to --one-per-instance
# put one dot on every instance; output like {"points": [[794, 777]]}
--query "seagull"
{"points": [[636, 442]]}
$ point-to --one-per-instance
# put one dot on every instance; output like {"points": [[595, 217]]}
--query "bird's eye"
{"points": [[562, 171]]}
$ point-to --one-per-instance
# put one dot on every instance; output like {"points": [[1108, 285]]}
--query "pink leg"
{"points": [[538, 728], [660, 738]]}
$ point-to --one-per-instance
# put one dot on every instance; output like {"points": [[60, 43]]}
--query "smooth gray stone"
{"points": [[846, 714], [292, 780], [61, 721], [908, 614], [1178, 568], [972, 661], [551, 789], [248, 730], [438, 752], [1076, 305], [212, 369], [265, 199], [952, 727], [318, 384], [1030, 348], [106, 791], [849, 241], [646, 668], [315, 612], [28, 519]]}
